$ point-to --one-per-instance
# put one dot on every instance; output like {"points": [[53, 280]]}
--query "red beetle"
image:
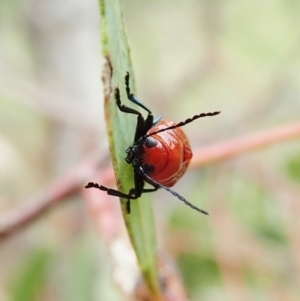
{"points": [[160, 153]]}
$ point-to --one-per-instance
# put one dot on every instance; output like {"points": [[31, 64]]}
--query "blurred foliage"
{"points": [[204, 277], [293, 167], [31, 278]]}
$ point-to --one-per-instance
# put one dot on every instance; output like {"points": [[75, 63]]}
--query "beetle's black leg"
{"points": [[112, 192], [137, 190], [134, 193], [144, 191], [122, 107], [143, 125], [131, 96], [128, 207]]}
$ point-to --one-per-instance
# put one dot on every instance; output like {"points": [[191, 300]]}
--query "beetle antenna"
{"points": [[182, 123], [181, 198]]}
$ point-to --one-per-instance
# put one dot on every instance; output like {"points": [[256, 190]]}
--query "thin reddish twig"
{"points": [[234, 147], [63, 187]]}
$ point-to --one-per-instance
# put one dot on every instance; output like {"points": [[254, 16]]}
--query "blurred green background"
{"points": [[240, 57]]}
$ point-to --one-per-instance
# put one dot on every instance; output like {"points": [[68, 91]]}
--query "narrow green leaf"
{"points": [[120, 129]]}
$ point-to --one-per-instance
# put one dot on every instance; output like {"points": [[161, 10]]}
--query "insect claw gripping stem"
{"points": [[127, 84], [117, 97], [128, 208], [95, 185]]}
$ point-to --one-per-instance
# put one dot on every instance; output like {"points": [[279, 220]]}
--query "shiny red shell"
{"points": [[171, 156]]}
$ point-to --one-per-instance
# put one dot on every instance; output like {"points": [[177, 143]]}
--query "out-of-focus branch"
{"points": [[63, 187], [235, 147]]}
